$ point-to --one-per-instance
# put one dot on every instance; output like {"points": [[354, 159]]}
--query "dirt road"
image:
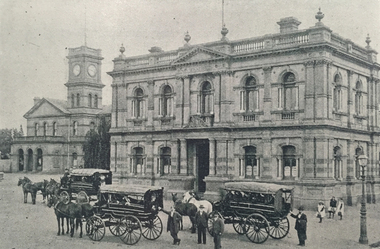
{"points": [[25, 226]]}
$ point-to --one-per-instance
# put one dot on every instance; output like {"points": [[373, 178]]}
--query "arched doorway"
{"points": [[39, 160], [20, 160], [29, 166]]}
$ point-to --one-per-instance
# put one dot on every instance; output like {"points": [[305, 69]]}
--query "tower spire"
{"points": [[85, 24]]}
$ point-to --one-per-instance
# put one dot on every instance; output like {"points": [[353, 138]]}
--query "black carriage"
{"points": [[129, 211], [84, 184], [255, 209]]}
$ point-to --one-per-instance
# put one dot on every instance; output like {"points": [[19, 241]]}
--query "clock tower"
{"points": [[84, 87]]}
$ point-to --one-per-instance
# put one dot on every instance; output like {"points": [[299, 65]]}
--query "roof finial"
{"points": [[122, 49], [319, 16], [187, 38], [224, 31], [368, 41]]}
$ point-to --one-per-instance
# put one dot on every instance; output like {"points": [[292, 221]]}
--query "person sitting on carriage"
{"points": [[65, 179], [97, 181]]}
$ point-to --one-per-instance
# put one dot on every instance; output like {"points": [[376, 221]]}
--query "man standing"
{"points": [[218, 229], [174, 219], [201, 222], [301, 224]]}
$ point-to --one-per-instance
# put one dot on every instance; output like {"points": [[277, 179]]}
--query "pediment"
{"points": [[199, 54], [44, 108]]}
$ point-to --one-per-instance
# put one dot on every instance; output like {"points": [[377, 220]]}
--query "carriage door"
{"points": [[20, 160], [203, 163]]}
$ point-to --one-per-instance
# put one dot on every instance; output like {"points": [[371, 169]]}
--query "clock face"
{"points": [[91, 70], [76, 70]]}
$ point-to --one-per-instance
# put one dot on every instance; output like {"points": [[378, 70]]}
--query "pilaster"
{"points": [[183, 157]]}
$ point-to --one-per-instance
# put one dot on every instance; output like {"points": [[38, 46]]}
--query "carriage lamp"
{"points": [[363, 210]]}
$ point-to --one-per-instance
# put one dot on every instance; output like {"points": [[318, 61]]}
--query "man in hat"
{"points": [[218, 229], [174, 219], [201, 223], [301, 224]]}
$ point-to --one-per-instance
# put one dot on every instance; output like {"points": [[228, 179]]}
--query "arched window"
{"points": [[45, 128], [78, 99], [249, 97], [138, 104], [90, 100], [338, 165], [165, 161], [72, 100], [137, 161], [207, 102], [96, 101], [358, 152], [75, 160], [251, 162], [337, 98], [165, 107], [35, 129], [55, 129], [75, 128], [359, 104], [290, 169], [288, 93]]}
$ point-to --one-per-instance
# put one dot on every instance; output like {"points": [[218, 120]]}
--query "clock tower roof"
{"points": [[84, 51]]}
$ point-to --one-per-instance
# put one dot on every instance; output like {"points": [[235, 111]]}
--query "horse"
{"points": [[70, 211], [52, 188], [28, 187], [42, 187], [188, 197], [185, 209]]}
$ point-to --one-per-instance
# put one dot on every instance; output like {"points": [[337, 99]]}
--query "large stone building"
{"points": [[56, 129], [296, 107]]}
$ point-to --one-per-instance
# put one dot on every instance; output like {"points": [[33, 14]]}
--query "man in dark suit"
{"points": [[201, 222], [218, 229], [301, 224], [174, 219]]}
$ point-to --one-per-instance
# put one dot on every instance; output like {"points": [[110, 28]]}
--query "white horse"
{"points": [[189, 198]]}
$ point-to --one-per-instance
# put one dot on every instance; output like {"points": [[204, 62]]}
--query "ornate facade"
{"points": [[296, 108], [56, 129]]}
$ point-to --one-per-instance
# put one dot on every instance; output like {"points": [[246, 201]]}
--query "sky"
{"points": [[35, 35]]}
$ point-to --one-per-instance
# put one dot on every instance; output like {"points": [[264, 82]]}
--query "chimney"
{"points": [[288, 24], [36, 100]]}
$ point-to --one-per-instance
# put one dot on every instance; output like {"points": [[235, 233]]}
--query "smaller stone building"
{"points": [[56, 129]]}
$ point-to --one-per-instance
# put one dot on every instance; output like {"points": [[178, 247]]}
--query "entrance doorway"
{"points": [[20, 160], [199, 161], [30, 160]]}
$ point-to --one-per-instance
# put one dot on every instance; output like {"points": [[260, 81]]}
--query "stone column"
{"points": [[150, 104], [350, 102], [183, 157], [174, 157], [309, 152], [178, 104], [212, 157], [221, 155], [309, 91], [217, 94], [34, 166], [321, 77], [186, 100], [350, 160], [230, 158], [26, 161], [149, 157], [267, 101]]}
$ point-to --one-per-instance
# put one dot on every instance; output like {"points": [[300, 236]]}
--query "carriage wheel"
{"points": [[132, 227], [256, 226], [152, 229], [115, 227], [279, 228], [95, 228], [65, 197], [82, 197], [210, 223], [239, 226]]}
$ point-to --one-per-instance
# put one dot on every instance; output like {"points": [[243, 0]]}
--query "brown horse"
{"points": [[42, 187], [52, 188], [185, 209], [72, 212], [28, 187]]}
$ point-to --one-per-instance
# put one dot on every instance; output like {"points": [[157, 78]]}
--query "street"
{"points": [[34, 226]]}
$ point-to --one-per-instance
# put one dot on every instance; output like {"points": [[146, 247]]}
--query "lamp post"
{"points": [[363, 210]]}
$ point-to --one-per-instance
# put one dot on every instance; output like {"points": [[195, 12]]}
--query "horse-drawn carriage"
{"points": [[128, 211], [255, 209], [83, 183]]}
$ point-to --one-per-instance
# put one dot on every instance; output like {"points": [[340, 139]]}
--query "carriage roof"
{"points": [[88, 172], [256, 187], [128, 189]]}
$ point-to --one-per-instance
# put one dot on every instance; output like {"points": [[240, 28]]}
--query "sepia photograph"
{"points": [[189, 124]]}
